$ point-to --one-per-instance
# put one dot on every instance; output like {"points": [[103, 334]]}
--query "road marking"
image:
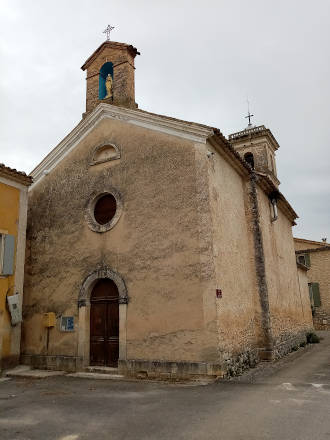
{"points": [[317, 385], [288, 386], [300, 401], [70, 437]]}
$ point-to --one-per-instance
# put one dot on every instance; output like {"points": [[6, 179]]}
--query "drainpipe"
{"points": [[266, 352]]}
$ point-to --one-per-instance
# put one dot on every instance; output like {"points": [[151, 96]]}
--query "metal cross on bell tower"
{"points": [[249, 116], [107, 31]]}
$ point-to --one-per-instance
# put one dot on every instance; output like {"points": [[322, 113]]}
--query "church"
{"points": [[156, 247]]}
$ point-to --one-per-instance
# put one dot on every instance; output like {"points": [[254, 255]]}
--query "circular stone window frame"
{"points": [[90, 207]]}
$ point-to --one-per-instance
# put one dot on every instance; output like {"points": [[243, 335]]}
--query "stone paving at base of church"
{"points": [[289, 400]]}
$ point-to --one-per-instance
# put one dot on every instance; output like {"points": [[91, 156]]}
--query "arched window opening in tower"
{"points": [[106, 69], [248, 157]]}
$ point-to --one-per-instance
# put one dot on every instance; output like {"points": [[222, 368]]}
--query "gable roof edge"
{"points": [[312, 250], [304, 240], [174, 127], [228, 152], [122, 46]]}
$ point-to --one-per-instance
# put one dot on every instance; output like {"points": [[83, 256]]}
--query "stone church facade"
{"points": [[159, 247]]}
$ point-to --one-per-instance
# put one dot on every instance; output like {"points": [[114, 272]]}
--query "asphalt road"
{"points": [[287, 400]]}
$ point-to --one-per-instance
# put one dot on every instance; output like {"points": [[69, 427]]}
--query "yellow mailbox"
{"points": [[49, 319]]}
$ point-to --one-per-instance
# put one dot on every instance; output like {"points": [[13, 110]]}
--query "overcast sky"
{"points": [[199, 62]]}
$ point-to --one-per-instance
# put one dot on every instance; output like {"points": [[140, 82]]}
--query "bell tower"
{"points": [[110, 75], [257, 146]]}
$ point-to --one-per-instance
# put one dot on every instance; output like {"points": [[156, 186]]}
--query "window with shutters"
{"points": [[7, 254], [314, 290], [304, 259]]}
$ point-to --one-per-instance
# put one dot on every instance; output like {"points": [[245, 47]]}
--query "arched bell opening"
{"points": [[105, 70], [248, 157]]}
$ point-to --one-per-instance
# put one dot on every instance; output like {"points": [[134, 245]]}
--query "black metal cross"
{"points": [[107, 31], [249, 116]]}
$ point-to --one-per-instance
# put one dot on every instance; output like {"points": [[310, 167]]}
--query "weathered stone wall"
{"points": [[319, 272], [290, 312], [233, 257], [303, 288], [157, 246], [321, 319]]}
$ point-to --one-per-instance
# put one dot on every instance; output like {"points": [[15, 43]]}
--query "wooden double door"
{"points": [[104, 324]]}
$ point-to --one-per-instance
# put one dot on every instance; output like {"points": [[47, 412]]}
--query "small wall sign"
{"points": [[67, 324], [218, 293], [14, 308]]}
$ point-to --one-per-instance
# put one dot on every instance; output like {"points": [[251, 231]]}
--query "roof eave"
{"points": [[123, 46], [267, 185], [320, 249], [17, 176], [217, 139]]}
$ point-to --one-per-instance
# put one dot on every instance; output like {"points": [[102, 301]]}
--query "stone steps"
{"points": [[99, 372], [27, 372], [103, 376]]}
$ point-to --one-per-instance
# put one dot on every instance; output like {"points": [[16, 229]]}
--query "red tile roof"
{"points": [[12, 173]]}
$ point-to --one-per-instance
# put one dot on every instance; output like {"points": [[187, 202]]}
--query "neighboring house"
{"points": [[316, 256], [153, 246], [13, 209]]}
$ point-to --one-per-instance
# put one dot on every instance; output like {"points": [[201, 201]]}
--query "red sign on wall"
{"points": [[218, 293]]}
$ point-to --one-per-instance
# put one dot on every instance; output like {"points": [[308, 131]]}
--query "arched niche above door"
{"points": [[104, 153]]}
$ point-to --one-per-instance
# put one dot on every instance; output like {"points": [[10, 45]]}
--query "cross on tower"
{"points": [[249, 116], [107, 31]]}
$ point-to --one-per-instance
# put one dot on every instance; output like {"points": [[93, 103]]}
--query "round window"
{"points": [[105, 209]]}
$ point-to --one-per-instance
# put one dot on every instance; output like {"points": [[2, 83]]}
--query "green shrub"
{"points": [[312, 338]]}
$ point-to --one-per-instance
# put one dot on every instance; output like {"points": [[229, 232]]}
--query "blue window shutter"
{"points": [[8, 255]]}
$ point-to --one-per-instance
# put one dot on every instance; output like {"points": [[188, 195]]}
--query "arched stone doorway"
{"points": [[104, 324], [94, 290]]}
